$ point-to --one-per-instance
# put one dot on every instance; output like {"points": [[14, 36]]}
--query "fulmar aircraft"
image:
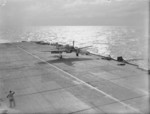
{"points": [[69, 49]]}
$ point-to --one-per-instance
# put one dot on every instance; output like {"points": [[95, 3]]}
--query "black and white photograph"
{"points": [[74, 57]]}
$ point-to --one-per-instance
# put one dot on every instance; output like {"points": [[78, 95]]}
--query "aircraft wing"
{"points": [[84, 47], [56, 51]]}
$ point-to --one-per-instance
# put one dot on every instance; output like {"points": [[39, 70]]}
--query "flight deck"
{"points": [[86, 84]]}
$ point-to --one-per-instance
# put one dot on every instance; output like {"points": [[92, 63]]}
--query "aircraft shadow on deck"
{"points": [[67, 61]]}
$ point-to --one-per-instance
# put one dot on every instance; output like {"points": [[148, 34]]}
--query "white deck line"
{"points": [[131, 88], [90, 86]]}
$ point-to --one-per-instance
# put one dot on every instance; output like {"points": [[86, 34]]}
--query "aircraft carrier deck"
{"points": [[73, 85]]}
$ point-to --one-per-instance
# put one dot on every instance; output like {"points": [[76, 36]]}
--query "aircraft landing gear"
{"points": [[77, 54], [60, 57]]}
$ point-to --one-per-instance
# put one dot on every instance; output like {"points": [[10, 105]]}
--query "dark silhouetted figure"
{"points": [[10, 96]]}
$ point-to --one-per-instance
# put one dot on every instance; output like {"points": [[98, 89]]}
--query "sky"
{"points": [[74, 12]]}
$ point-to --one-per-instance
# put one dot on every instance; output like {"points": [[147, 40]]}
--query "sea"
{"points": [[130, 42]]}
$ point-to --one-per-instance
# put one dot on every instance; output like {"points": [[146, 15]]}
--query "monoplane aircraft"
{"points": [[68, 49]]}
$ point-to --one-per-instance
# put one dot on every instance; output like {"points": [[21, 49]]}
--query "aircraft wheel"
{"points": [[61, 57], [77, 54]]}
